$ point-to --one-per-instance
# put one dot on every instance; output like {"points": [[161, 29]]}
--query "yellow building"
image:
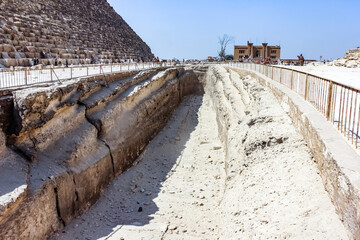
{"points": [[252, 51]]}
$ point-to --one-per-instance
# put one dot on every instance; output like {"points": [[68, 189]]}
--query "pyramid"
{"points": [[69, 29]]}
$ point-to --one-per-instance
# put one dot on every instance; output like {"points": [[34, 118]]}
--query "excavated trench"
{"points": [[69, 141], [195, 153]]}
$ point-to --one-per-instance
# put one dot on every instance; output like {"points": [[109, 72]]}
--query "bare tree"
{"points": [[224, 41]]}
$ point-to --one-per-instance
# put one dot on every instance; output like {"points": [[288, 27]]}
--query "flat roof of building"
{"points": [[257, 46]]}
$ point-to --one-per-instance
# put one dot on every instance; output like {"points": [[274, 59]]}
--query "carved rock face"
{"points": [[2, 141], [74, 138]]}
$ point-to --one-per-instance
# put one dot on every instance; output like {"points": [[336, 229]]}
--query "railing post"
{"points": [[71, 72], [292, 80], [267, 70], [306, 87], [51, 73], [87, 70], [329, 103], [272, 72], [111, 67], [26, 80], [280, 75]]}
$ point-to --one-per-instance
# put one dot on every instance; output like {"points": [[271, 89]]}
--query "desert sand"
{"points": [[343, 75]]}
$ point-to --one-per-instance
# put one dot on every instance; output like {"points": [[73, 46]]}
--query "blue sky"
{"points": [[190, 28]]}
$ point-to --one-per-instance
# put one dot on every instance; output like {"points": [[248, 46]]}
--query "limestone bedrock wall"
{"points": [[68, 29], [73, 139], [338, 162], [6, 110]]}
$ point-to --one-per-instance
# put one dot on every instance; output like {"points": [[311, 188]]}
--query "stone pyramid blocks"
{"points": [[73, 30]]}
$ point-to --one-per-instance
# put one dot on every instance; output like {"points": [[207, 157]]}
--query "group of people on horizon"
{"points": [[58, 63], [92, 60], [268, 60]]}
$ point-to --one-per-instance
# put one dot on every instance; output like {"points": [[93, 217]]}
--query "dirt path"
{"points": [[229, 165]]}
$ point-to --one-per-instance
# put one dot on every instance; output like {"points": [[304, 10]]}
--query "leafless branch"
{"points": [[224, 41]]}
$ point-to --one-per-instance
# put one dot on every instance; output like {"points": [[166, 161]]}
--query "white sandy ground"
{"points": [[252, 178], [344, 75]]}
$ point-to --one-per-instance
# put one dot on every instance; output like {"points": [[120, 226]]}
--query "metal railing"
{"points": [[10, 78], [339, 103]]}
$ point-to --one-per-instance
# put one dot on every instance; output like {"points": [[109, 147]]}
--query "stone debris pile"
{"points": [[350, 60], [74, 30]]}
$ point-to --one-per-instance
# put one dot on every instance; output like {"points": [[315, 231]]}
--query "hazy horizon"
{"points": [[189, 29]]}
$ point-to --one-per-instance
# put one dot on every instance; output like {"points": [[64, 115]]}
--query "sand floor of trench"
{"points": [[229, 165]]}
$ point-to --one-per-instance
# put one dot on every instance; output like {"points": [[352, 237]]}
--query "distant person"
{"points": [[56, 62], [66, 63], [42, 54], [301, 60]]}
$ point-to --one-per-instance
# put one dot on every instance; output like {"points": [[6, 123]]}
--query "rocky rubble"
{"points": [[350, 60], [73, 30]]}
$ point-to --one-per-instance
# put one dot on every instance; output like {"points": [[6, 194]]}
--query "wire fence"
{"points": [[339, 103], [10, 78]]}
